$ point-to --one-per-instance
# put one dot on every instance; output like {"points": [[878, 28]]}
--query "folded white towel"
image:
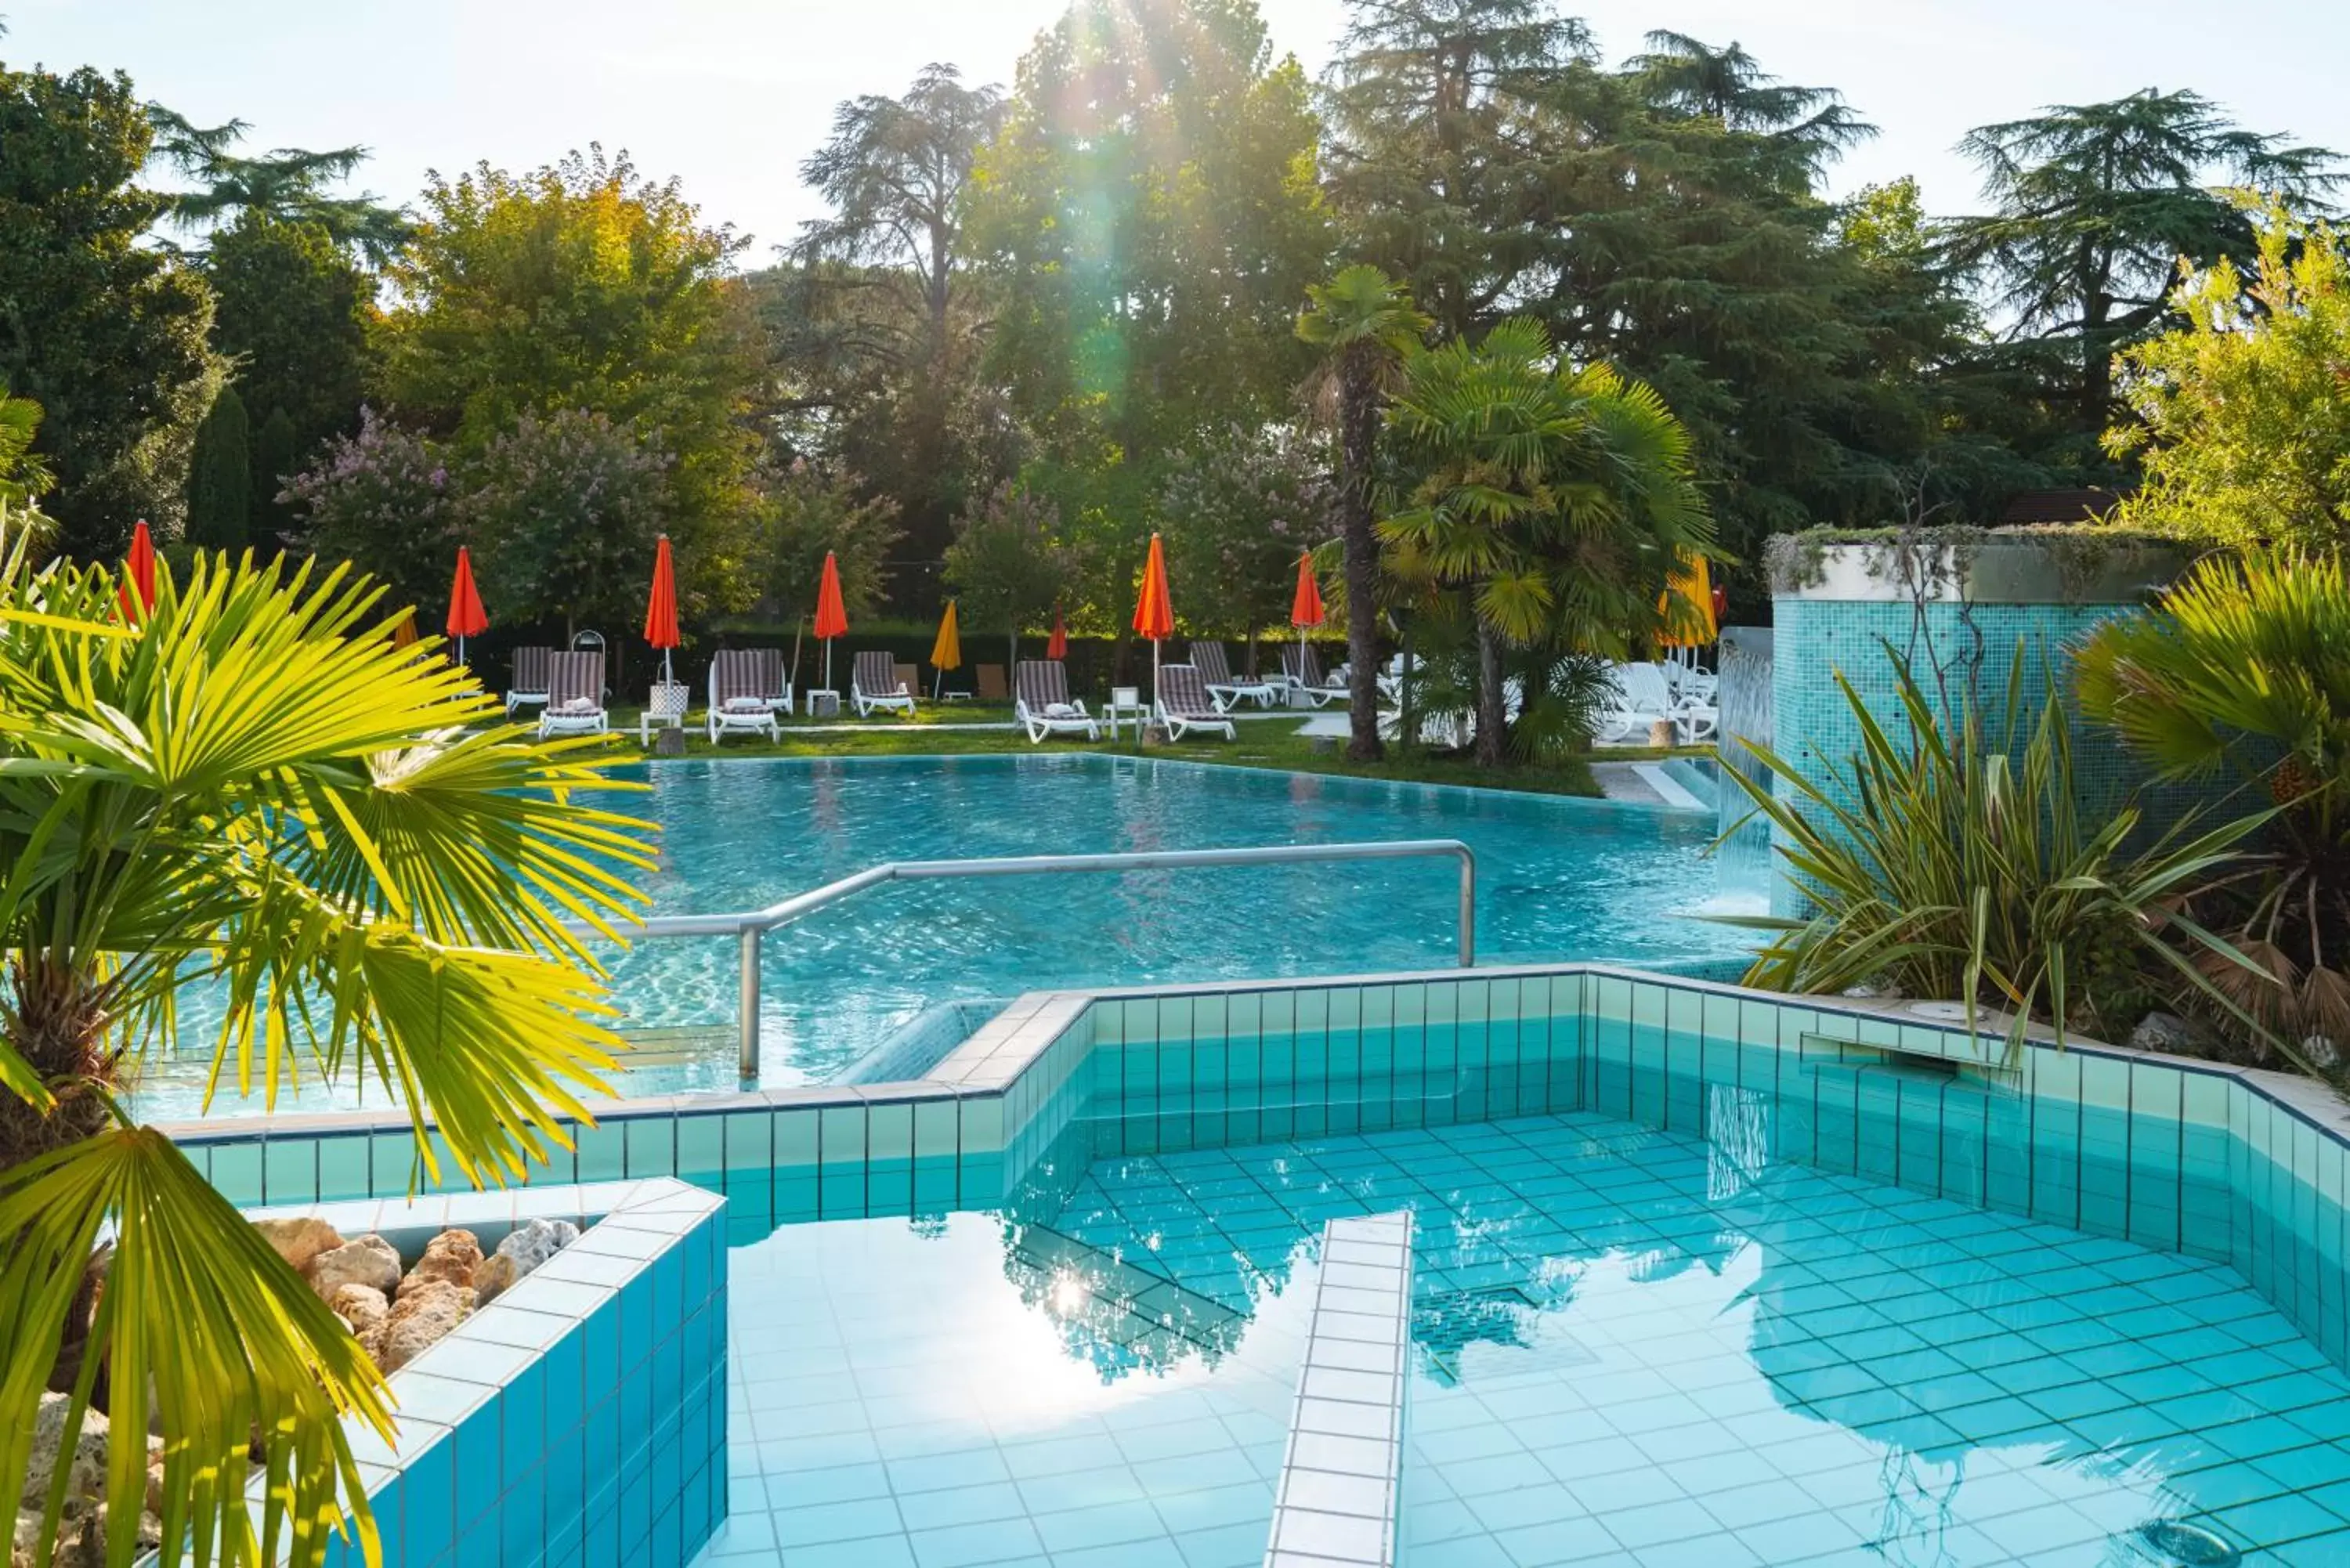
{"points": [[579, 705], [745, 705], [1060, 710]]}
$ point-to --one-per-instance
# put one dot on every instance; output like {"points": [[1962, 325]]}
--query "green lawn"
{"points": [[1264, 744]]}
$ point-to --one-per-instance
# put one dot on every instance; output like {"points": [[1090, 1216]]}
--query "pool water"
{"points": [[1557, 879], [1631, 1348]]}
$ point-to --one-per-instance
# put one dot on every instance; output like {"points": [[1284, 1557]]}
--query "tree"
{"points": [[106, 334], [220, 477], [565, 514], [1150, 216], [293, 310], [276, 456], [2243, 407], [1366, 324], [1555, 502], [378, 879], [382, 500], [584, 285], [874, 318], [806, 515], [2094, 205], [287, 185], [1237, 508], [1008, 563]]}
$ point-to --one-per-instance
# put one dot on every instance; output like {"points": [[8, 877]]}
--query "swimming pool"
{"points": [[1557, 878]]}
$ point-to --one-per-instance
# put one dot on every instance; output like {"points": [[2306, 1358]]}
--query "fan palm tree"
{"points": [[1366, 324], [246, 785], [24, 475], [2244, 669], [1557, 501]]}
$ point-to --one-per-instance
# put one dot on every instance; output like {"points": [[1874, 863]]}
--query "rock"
{"points": [[2166, 1032], [448, 1257], [427, 1310], [86, 1472], [299, 1240], [525, 1249], [368, 1261], [2321, 1053], [1873, 991], [361, 1307]]}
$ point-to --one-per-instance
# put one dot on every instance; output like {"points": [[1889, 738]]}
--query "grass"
{"points": [[1262, 744]]}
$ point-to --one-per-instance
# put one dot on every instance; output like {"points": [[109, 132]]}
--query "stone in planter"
{"points": [[362, 1308], [453, 1256], [299, 1240], [367, 1260], [427, 1310], [524, 1249]]}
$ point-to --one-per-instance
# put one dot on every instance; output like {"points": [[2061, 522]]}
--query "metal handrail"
{"points": [[750, 926]]}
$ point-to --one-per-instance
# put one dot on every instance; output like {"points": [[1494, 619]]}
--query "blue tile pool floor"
{"points": [[1633, 1349]]}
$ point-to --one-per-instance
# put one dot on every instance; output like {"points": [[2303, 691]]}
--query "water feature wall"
{"points": [[1745, 700]]}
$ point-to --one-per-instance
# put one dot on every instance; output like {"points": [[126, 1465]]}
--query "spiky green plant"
{"points": [[1968, 866], [2242, 670], [248, 786]]}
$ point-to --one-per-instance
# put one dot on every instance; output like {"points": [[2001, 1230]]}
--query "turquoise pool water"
{"points": [[1558, 878], [1632, 1348]]}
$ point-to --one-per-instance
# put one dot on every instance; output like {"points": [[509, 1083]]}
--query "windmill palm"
{"points": [[1365, 323], [1555, 501], [248, 786]]}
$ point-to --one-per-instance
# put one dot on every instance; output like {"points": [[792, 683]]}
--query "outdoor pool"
{"points": [[1558, 878]]}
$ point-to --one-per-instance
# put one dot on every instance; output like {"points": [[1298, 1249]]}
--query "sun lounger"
{"points": [[1303, 669], [1183, 703], [529, 685], [873, 683], [1044, 706], [575, 695], [1641, 697], [738, 705], [774, 683], [1225, 693]]}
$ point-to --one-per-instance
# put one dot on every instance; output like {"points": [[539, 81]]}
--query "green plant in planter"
{"points": [[1966, 868], [248, 786], [2244, 670]]}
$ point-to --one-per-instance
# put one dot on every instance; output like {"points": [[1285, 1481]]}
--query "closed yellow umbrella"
{"points": [[1691, 623], [946, 653]]}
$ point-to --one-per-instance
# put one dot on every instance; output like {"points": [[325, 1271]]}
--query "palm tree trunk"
{"points": [[1491, 714], [60, 1029], [1357, 449]]}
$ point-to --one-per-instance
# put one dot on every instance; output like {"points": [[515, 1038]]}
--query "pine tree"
{"points": [[220, 477], [276, 457]]}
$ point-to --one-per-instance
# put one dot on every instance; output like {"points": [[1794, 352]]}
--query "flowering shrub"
{"points": [[1236, 511], [382, 500], [564, 512]]}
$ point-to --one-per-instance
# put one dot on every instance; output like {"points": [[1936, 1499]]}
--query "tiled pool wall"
{"points": [[2246, 1167], [580, 1418]]}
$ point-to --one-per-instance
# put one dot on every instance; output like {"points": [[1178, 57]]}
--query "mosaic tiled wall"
{"points": [[2248, 1167], [580, 1418]]}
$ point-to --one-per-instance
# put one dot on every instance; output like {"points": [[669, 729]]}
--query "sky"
{"points": [[730, 95]]}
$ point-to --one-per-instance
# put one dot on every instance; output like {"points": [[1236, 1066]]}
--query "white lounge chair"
{"points": [[1641, 697], [1226, 694], [1183, 704], [774, 683], [574, 696], [873, 683], [737, 705], [529, 685], [1301, 668], [1042, 704]]}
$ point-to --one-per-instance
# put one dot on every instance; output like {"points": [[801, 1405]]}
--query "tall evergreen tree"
{"points": [[278, 453], [2092, 208], [292, 309], [220, 477]]}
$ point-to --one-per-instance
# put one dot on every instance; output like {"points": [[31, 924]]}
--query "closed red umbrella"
{"points": [[466, 616], [1154, 612], [1306, 605], [1057, 645], [660, 610], [140, 568], [831, 615]]}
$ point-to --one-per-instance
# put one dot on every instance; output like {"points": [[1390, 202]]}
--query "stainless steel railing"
{"points": [[750, 927]]}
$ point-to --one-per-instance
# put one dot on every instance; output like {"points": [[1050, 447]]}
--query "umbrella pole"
{"points": [[1154, 680], [827, 664]]}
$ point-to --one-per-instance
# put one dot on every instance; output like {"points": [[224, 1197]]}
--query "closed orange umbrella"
{"points": [[466, 616], [660, 610], [403, 631], [831, 615], [1306, 605], [1057, 645], [140, 568], [1154, 613]]}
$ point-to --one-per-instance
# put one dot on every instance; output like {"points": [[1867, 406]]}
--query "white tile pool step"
{"points": [[1341, 1478]]}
